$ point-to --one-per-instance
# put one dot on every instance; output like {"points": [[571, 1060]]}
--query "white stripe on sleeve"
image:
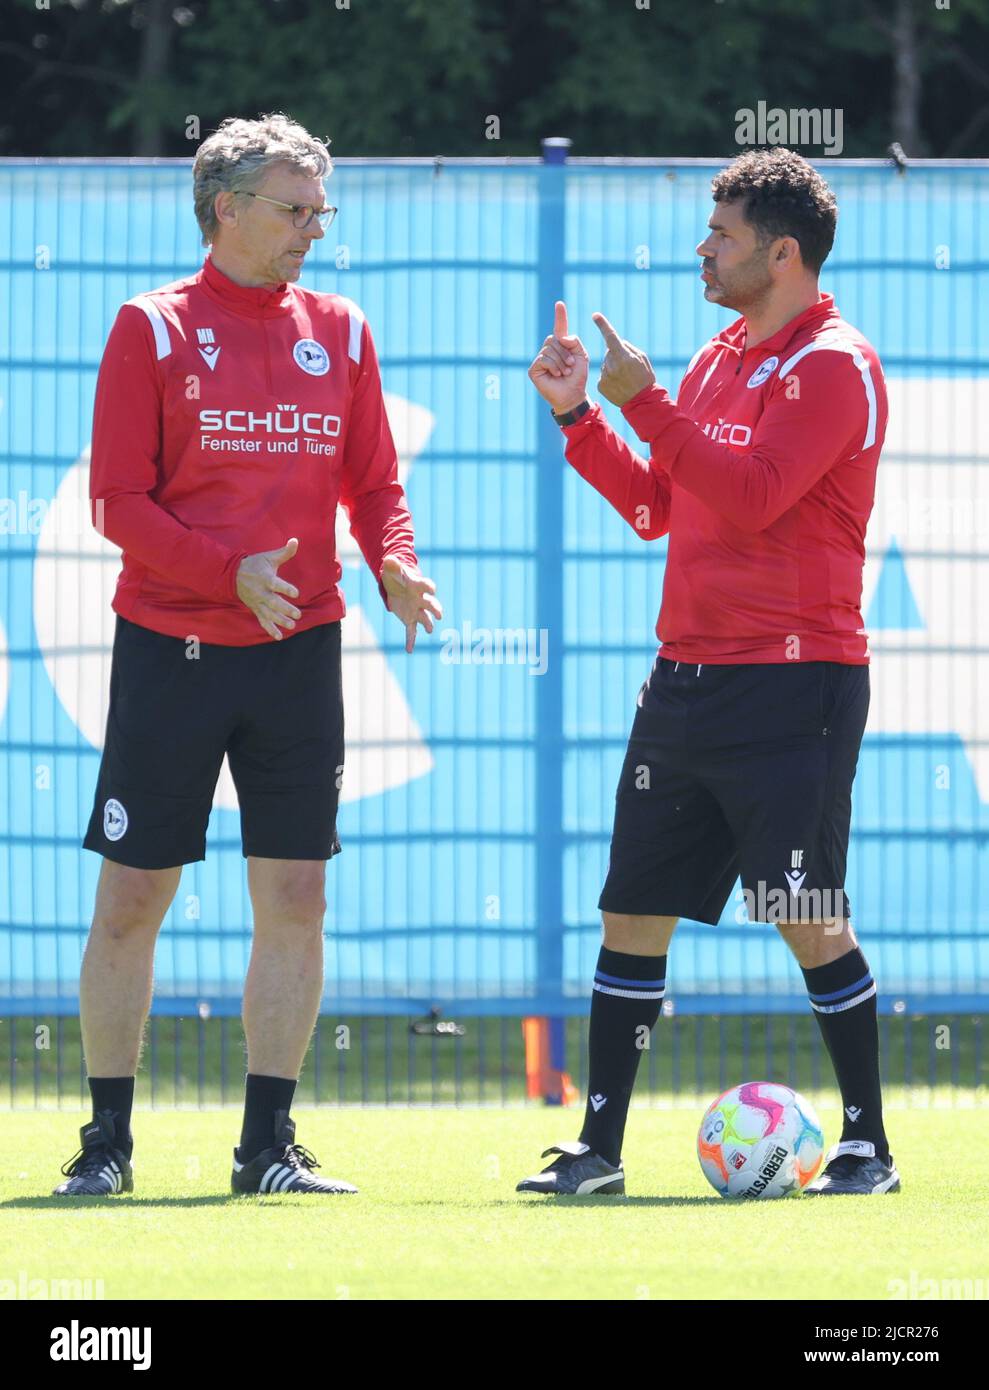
{"points": [[837, 343], [162, 345], [354, 344]]}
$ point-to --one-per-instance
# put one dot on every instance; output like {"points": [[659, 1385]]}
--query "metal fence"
{"points": [[481, 770], [927, 1061]]}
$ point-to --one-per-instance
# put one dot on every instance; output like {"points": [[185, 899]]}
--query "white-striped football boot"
{"points": [[577, 1172], [99, 1169], [285, 1167], [853, 1170]]}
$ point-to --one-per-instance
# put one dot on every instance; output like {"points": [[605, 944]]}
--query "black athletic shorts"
{"points": [[738, 770], [276, 711]]}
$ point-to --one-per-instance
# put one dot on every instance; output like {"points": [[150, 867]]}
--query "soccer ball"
{"points": [[760, 1140]]}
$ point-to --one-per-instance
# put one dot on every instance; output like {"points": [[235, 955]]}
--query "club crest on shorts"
{"points": [[114, 820], [311, 356], [763, 372]]}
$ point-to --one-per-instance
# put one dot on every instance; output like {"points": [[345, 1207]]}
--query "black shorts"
{"points": [[275, 710], [738, 770]]}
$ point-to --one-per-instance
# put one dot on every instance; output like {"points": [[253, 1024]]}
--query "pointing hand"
{"points": [[625, 370]]}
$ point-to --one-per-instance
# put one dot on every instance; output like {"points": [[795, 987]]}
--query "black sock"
{"points": [[628, 993], [115, 1093], [843, 997], [264, 1095]]}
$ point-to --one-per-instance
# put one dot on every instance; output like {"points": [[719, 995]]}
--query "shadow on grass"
{"points": [[598, 1202], [126, 1203]]}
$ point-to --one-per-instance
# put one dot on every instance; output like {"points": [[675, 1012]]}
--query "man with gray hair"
{"points": [[234, 412]]}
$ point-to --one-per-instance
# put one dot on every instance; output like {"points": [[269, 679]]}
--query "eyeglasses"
{"points": [[302, 213]]}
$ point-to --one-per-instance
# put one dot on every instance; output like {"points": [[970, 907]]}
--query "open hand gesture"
{"points": [[410, 597]]}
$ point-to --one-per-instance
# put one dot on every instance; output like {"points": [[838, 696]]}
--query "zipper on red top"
{"points": [[267, 354], [741, 355]]}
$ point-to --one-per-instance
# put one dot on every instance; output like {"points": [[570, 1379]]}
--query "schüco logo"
{"points": [[768, 1171], [284, 419], [724, 432]]}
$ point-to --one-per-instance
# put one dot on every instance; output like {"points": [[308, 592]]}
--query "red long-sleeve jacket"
{"points": [[763, 473], [227, 419]]}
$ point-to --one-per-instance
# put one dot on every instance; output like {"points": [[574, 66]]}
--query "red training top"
{"points": [[763, 472], [229, 418]]}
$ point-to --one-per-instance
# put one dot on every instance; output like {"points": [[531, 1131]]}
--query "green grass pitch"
{"points": [[437, 1215]]}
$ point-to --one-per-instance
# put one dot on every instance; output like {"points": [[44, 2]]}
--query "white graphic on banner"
{"points": [[936, 509]]}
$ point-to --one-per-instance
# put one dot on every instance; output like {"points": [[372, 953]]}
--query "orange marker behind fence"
{"points": [[543, 1079]]}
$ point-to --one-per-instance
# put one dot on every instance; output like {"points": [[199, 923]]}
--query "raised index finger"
{"points": [[560, 329], [607, 332]]}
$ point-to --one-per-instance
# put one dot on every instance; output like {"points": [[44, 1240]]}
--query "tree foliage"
{"points": [[426, 77]]}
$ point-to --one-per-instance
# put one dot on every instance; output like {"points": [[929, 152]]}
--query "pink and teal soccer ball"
{"points": [[760, 1140]]}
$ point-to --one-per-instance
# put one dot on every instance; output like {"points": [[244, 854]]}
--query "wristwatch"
{"points": [[571, 416]]}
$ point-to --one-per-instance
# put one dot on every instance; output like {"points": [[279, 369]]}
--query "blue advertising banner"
{"points": [[481, 770]]}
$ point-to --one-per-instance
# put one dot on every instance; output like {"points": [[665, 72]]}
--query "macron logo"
{"points": [[853, 1112], [209, 351], [75, 1343], [598, 1101]]}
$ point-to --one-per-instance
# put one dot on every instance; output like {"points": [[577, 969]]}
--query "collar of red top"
{"points": [[264, 301], [734, 336]]}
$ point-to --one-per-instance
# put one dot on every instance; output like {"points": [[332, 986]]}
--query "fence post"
{"points": [[551, 261]]}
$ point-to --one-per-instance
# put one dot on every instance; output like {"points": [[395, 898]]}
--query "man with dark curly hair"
{"points": [[746, 737]]}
